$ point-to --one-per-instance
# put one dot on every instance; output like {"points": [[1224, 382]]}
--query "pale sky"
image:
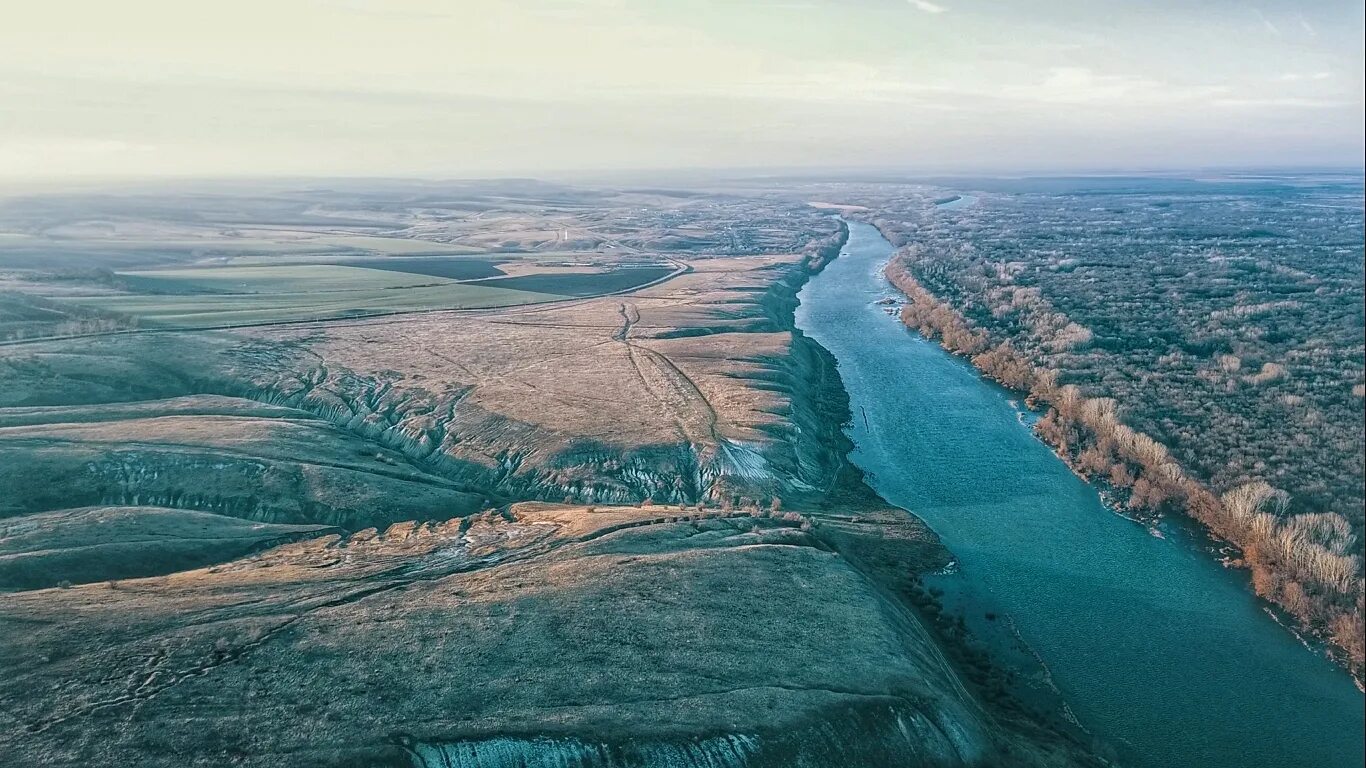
{"points": [[98, 88]]}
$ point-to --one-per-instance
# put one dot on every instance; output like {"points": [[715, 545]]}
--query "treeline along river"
{"points": [[1158, 649]]}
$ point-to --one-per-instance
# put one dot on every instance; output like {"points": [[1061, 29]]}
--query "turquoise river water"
{"points": [[1159, 650]]}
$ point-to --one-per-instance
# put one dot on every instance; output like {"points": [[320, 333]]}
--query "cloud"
{"points": [[837, 81], [927, 6], [1272, 28], [1081, 85], [1296, 77], [22, 155], [1281, 103], [375, 8]]}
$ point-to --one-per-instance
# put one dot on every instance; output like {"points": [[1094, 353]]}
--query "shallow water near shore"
{"points": [[1158, 649]]}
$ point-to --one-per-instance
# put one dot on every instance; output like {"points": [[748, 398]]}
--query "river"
{"points": [[1158, 649]]}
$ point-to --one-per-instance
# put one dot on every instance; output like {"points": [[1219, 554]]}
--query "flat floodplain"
{"points": [[273, 279], [215, 310], [457, 268], [253, 294], [581, 283]]}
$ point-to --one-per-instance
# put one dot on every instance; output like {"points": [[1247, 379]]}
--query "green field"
{"points": [[209, 297], [220, 296], [580, 283], [209, 310], [293, 278]]}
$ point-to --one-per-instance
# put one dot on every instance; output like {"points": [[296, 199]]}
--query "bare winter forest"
{"points": [[1197, 346]]}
